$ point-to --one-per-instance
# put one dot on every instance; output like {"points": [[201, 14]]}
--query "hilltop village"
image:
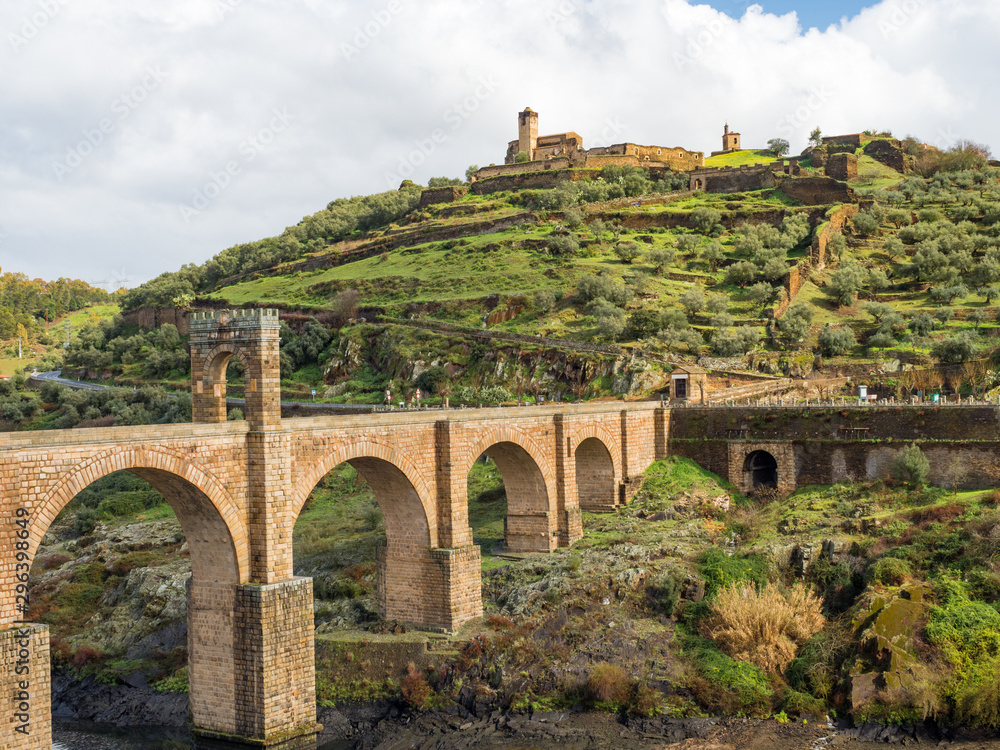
{"points": [[548, 156]]}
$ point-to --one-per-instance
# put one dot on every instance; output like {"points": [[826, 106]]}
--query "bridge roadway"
{"points": [[237, 489]]}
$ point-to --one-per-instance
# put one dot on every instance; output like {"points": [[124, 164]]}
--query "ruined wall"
{"points": [[842, 166], [675, 157], [539, 179], [853, 140], [890, 153], [818, 191], [733, 180], [498, 170], [838, 220], [448, 194], [846, 444], [827, 462]]}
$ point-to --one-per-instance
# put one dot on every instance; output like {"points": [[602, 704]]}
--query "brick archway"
{"points": [[611, 443], [530, 525], [409, 582], [596, 475], [371, 450], [204, 508], [217, 360], [217, 542], [744, 465]]}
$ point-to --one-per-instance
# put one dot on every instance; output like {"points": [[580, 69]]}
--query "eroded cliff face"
{"points": [[398, 353]]}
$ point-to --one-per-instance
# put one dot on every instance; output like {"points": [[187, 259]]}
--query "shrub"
{"points": [[891, 571], [543, 300], [86, 656], [593, 287], [955, 349], [55, 561], [721, 570], [764, 627], [372, 516], [563, 246], [431, 379], [728, 685], [704, 219], [735, 341], [865, 223], [664, 591], [415, 688], [499, 623], [627, 251], [608, 683], [911, 466], [836, 341]]}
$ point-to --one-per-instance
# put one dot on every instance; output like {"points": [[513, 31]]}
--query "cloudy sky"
{"points": [[137, 137]]}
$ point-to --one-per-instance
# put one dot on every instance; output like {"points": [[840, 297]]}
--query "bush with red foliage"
{"points": [[86, 656], [415, 688]]}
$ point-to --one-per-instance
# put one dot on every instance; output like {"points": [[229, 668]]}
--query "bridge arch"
{"points": [[598, 469], [409, 583], [217, 541], [210, 518], [530, 525]]}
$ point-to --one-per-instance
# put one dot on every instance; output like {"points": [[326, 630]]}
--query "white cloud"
{"points": [[374, 88]]}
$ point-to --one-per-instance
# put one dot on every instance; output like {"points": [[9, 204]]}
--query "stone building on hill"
{"points": [[531, 147], [730, 142]]}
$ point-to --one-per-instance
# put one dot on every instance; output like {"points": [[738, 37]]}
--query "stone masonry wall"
{"points": [[25, 688], [842, 166], [275, 653], [927, 423]]}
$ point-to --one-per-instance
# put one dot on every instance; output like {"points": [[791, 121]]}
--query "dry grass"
{"points": [[764, 627], [608, 683]]}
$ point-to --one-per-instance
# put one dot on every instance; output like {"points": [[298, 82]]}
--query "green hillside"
{"points": [[597, 287]]}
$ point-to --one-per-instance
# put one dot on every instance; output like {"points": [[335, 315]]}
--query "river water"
{"points": [[93, 737]]}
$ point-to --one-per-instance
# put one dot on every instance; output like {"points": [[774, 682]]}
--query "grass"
{"points": [[81, 318], [744, 156]]}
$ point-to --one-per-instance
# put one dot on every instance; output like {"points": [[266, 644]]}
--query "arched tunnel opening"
{"points": [[762, 470]]}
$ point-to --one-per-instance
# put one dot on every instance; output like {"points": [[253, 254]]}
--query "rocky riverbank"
{"points": [[121, 706], [388, 725]]}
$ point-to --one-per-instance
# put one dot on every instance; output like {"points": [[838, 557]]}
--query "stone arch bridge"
{"points": [[238, 488]]}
